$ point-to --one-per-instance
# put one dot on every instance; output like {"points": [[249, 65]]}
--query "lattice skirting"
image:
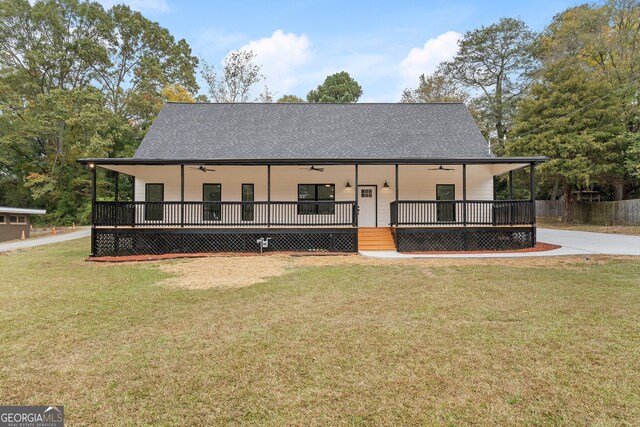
{"points": [[463, 239], [120, 241]]}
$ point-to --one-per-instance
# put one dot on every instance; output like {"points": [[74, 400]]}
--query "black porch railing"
{"points": [[225, 214], [459, 212]]}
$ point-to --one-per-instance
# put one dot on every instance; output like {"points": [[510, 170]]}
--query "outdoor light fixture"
{"points": [[348, 185], [91, 165], [386, 184]]}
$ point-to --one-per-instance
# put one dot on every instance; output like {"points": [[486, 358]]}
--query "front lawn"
{"points": [[340, 341]]}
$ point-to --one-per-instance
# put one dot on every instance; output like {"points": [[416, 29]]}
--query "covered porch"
{"points": [[314, 197]]}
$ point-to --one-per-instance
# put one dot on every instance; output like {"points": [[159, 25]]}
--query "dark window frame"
{"points": [[154, 212], [446, 212], [247, 208], [318, 208], [3, 219], [211, 209]]}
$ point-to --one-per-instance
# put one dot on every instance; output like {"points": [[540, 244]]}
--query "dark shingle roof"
{"points": [[313, 131]]}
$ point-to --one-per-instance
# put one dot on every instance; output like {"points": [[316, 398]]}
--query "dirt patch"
{"points": [[225, 272]]}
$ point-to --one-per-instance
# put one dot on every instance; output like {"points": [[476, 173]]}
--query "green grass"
{"points": [[353, 345], [574, 226]]}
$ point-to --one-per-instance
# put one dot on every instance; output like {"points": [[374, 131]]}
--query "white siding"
{"points": [[416, 182]]}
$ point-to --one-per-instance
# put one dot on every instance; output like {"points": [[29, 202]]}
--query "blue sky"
{"points": [[384, 45]]}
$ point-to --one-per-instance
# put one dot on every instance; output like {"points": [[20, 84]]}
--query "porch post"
{"points": [[464, 195], [357, 207], [397, 185], [117, 187], [511, 185], [93, 208], [268, 195], [495, 194], [181, 195], [532, 190], [397, 195]]}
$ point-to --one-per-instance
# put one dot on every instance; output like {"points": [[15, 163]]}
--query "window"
{"points": [[211, 193], [3, 219], [154, 208], [366, 192], [446, 211], [17, 219], [316, 192], [247, 196]]}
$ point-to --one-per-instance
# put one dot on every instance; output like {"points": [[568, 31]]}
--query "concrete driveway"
{"points": [[583, 242], [39, 241], [571, 242]]}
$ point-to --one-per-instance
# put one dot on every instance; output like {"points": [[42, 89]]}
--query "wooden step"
{"points": [[375, 239]]}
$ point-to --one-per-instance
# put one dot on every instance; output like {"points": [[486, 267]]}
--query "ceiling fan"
{"points": [[203, 169], [441, 168], [313, 168]]}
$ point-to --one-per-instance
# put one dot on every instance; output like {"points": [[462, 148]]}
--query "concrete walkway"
{"points": [[571, 242], [39, 241]]}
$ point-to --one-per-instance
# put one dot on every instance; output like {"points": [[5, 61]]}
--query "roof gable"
{"points": [[254, 131]]}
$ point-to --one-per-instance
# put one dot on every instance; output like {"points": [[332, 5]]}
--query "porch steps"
{"points": [[375, 239]]}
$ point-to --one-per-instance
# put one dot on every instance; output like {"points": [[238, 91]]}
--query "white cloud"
{"points": [[280, 56], [139, 5], [425, 59], [214, 40]]}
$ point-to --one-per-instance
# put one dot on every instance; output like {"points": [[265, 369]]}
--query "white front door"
{"points": [[367, 205]]}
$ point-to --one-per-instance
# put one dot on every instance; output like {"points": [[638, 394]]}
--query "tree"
{"points": [[572, 117], [239, 75], [632, 155], [291, 99], [496, 61], [605, 38], [266, 96], [436, 87], [77, 81], [337, 88], [604, 41], [50, 45], [177, 93], [143, 59]]}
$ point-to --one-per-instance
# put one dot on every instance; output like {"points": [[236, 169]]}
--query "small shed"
{"points": [[13, 221]]}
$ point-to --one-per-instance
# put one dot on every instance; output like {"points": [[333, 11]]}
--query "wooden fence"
{"points": [[624, 212]]}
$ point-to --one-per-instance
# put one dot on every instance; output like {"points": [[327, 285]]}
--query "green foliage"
{"points": [[292, 99], [584, 110], [78, 81], [632, 155], [436, 87], [337, 88], [496, 62], [571, 117]]}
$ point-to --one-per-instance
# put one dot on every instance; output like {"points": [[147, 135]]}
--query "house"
{"points": [[312, 177], [15, 221]]}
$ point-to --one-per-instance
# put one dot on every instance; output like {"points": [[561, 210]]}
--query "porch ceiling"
{"points": [[501, 169], [500, 164]]}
